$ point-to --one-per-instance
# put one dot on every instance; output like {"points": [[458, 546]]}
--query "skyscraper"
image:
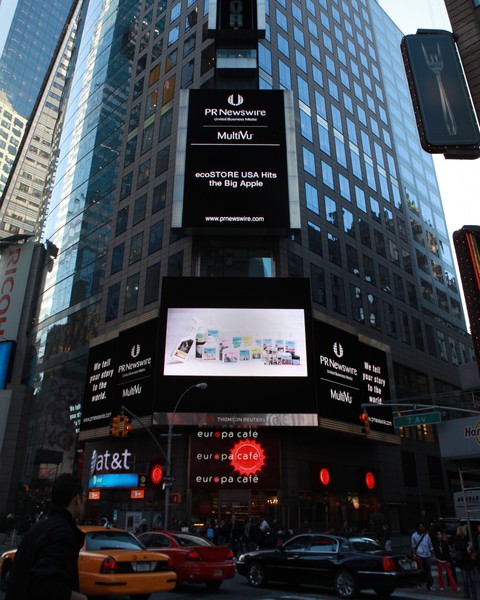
{"points": [[372, 244], [34, 44]]}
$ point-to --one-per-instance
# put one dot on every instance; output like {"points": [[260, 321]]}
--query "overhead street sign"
{"points": [[413, 420]]}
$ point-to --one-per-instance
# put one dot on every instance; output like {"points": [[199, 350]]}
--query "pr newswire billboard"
{"points": [[235, 170]]}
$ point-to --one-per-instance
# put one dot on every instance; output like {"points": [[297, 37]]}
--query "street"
{"points": [[238, 589]]}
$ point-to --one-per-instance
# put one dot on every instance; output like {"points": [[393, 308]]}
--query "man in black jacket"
{"points": [[45, 565]]}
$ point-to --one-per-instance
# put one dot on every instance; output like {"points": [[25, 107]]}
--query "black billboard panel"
{"points": [[136, 368], [235, 175], [99, 390], [250, 340], [443, 109], [351, 373]]}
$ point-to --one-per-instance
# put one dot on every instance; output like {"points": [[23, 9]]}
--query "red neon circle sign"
{"points": [[370, 480], [324, 476], [156, 474]]}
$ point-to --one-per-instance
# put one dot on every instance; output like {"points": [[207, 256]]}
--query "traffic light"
{"points": [[365, 422], [125, 426], [115, 426]]}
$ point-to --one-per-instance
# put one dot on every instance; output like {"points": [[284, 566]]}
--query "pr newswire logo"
{"points": [[235, 100], [135, 351], [338, 350]]}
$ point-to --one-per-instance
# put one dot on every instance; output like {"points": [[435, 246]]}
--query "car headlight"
{"points": [[241, 558]]}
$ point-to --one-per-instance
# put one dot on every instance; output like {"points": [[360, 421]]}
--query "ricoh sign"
{"points": [[235, 171]]}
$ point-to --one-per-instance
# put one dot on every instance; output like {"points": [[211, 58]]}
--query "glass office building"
{"points": [[373, 241]]}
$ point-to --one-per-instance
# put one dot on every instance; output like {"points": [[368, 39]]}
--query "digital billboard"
{"points": [[234, 170], [443, 109], [238, 342], [121, 372], [249, 339], [351, 373]]}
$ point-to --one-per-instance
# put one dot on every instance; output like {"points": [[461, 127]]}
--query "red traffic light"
{"points": [[365, 421], [324, 476]]}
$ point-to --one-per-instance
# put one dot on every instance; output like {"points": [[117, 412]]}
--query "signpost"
{"points": [[413, 420]]}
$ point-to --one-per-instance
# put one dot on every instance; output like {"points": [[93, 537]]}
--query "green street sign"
{"points": [[417, 419]]}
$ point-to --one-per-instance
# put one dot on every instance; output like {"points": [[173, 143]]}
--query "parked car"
{"points": [[345, 564], [194, 558], [113, 562]]}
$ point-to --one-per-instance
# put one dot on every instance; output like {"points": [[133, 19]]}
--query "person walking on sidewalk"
{"points": [[466, 562], [422, 550], [442, 554], [45, 565]]}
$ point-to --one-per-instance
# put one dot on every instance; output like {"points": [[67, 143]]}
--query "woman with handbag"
{"points": [[442, 554], [465, 559]]}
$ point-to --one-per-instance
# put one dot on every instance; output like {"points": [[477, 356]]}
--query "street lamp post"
{"points": [[168, 483]]}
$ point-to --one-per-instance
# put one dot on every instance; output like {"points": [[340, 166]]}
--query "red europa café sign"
{"points": [[234, 459]]}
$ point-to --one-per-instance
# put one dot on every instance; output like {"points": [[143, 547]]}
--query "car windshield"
{"points": [[365, 545], [109, 540], [190, 540]]}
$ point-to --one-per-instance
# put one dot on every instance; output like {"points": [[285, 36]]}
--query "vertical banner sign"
{"points": [[136, 368], [99, 385], [236, 161], [351, 373]]}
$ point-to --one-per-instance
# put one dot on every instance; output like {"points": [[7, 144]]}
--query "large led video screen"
{"points": [[234, 168], [249, 339], [236, 342]]}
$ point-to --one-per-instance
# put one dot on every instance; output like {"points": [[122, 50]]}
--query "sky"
{"points": [[459, 180]]}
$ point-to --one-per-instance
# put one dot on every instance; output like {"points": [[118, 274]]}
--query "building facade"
{"points": [[33, 62], [372, 244]]}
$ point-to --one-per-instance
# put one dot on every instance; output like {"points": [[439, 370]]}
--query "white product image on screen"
{"points": [[237, 342]]}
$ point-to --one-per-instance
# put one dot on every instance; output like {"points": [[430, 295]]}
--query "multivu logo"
{"points": [[235, 100], [341, 396]]}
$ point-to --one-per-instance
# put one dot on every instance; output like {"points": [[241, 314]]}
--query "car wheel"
{"points": [[256, 574], [385, 592], [7, 568], [213, 585], [345, 584]]}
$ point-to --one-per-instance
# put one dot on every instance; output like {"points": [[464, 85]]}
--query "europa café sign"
{"points": [[234, 458], [234, 169]]}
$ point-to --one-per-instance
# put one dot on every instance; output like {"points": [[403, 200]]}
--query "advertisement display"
{"points": [[238, 342], [15, 262], [459, 438], [234, 458], [234, 172], [445, 116], [121, 372], [351, 373], [250, 340], [99, 391]]}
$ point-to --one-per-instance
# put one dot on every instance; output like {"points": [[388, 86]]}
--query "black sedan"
{"points": [[345, 564]]}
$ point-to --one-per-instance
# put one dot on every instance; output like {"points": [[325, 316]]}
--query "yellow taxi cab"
{"points": [[112, 562]]}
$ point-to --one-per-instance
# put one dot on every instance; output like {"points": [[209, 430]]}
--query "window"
{"points": [[155, 238], [165, 125], [331, 213], [147, 139], [143, 173], [131, 292], [117, 258], [309, 161], [311, 195], [187, 74], [175, 264], [130, 151], [136, 248], [353, 264], [327, 175], [161, 164], [152, 284], [314, 238], [139, 210], [317, 278], [112, 302], [295, 265], [159, 197], [122, 219], [334, 253], [189, 45], [168, 90]]}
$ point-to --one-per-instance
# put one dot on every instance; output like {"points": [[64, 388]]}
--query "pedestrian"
{"points": [[442, 554], [465, 559], [422, 549], [45, 565], [387, 537], [264, 528]]}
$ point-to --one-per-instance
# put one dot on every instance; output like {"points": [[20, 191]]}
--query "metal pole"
{"points": [[201, 386]]}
